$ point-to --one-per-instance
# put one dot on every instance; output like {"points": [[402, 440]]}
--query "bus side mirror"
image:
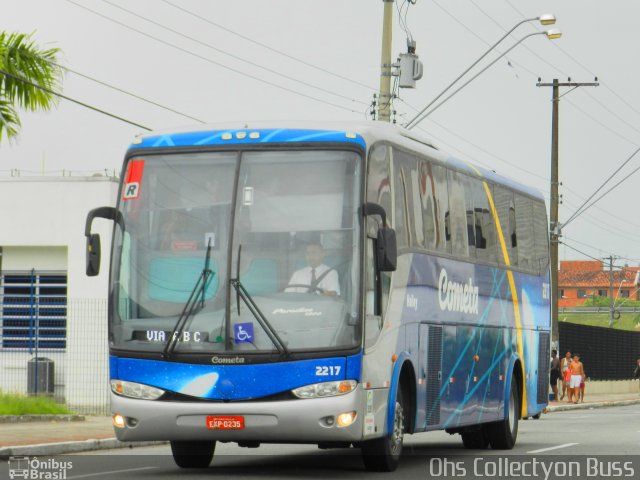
{"points": [[386, 247], [93, 239], [93, 255], [386, 250]]}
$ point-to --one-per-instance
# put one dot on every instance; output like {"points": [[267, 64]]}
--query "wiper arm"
{"points": [[259, 316], [195, 301]]}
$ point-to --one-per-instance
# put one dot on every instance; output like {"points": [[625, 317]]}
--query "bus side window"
{"points": [[400, 220], [484, 226], [474, 230], [541, 237], [415, 207], [373, 304], [524, 231], [441, 208], [506, 208], [457, 215], [379, 182], [426, 187]]}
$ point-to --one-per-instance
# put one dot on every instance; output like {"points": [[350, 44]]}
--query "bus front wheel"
{"points": [[502, 435], [383, 454], [192, 454]]}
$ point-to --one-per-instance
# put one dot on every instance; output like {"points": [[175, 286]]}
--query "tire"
{"points": [[477, 440], [502, 435], [193, 454], [383, 454]]}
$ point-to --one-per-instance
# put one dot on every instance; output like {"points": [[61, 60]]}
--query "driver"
{"points": [[317, 277]]}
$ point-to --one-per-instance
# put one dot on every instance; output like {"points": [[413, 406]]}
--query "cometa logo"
{"points": [[457, 297], [227, 360]]}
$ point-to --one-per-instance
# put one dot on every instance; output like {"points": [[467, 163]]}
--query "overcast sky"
{"points": [[220, 61]]}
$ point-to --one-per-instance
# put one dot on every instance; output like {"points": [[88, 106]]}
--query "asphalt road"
{"points": [[575, 444]]}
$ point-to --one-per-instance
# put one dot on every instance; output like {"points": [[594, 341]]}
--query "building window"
{"points": [[582, 293], [33, 308], [624, 293], [602, 293], [561, 293]]}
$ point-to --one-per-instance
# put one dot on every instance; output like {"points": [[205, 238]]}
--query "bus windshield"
{"points": [[238, 252]]}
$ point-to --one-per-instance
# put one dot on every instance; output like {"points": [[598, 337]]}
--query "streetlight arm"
{"points": [[472, 79], [469, 68]]}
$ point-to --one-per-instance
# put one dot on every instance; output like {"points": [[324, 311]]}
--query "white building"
{"points": [[44, 292]]}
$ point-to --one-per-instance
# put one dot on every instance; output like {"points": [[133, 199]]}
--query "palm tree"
{"points": [[24, 67]]}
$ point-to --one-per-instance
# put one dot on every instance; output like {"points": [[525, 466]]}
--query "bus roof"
{"points": [[361, 133]]}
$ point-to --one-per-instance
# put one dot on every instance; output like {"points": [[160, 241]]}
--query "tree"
{"points": [[24, 67]]}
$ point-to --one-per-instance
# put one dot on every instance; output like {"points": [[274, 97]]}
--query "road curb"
{"points": [[41, 418], [586, 406], [71, 447]]}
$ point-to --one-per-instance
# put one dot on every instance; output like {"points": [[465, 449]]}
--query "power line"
{"points": [[607, 212], [612, 229], [497, 50], [118, 89], [579, 251], [602, 124], [582, 207], [236, 57], [267, 47], [600, 250], [213, 62], [539, 57], [78, 102]]}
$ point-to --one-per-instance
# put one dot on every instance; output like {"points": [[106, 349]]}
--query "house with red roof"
{"points": [[579, 280]]}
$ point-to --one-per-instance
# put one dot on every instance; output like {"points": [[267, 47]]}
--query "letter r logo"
{"points": [[131, 191]]}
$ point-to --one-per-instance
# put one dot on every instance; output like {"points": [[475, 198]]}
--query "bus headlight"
{"points": [[135, 390], [325, 389]]}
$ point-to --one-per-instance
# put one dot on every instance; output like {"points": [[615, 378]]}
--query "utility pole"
{"points": [[555, 231], [384, 98], [611, 258]]}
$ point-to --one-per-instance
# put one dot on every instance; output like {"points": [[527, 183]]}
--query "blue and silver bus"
{"points": [[429, 309]]}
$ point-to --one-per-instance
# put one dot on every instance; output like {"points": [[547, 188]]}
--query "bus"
{"points": [[437, 318]]}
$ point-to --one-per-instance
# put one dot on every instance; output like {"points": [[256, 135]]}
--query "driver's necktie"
{"points": [[313, 281]]}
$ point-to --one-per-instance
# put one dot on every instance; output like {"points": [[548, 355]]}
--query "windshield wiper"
{"points": [[259, 316], [194, 302]]}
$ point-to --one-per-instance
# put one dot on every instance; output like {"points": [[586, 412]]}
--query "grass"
{"points": [[627, 321], [13, 404]]}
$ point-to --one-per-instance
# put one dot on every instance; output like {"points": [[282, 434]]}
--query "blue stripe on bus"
{"points": [[188, 139], [234, 382]]}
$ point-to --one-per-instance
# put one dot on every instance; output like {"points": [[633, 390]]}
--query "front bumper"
{"points": [[288, 421]]}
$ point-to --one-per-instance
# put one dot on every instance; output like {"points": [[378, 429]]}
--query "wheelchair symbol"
{"points": [[243, 332], [242, 335]]}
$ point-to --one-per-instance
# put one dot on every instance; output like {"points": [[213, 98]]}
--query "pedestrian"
{"points": [[564, 366], [636, 372], [577, 377], [554, 373]]}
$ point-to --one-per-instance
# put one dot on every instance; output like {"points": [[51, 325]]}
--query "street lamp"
{"points": [[551, 35], [546, 19]]}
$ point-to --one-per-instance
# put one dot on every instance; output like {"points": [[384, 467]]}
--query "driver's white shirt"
{"points": [[329, 282]]}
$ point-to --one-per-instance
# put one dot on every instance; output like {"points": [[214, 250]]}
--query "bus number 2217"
{"points": [[327, 370]]}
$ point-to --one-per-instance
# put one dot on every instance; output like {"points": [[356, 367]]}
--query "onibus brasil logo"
{"points": [[36, 469]]}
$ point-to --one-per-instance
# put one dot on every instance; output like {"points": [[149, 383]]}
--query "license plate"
{"points": [[225, 422]]}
